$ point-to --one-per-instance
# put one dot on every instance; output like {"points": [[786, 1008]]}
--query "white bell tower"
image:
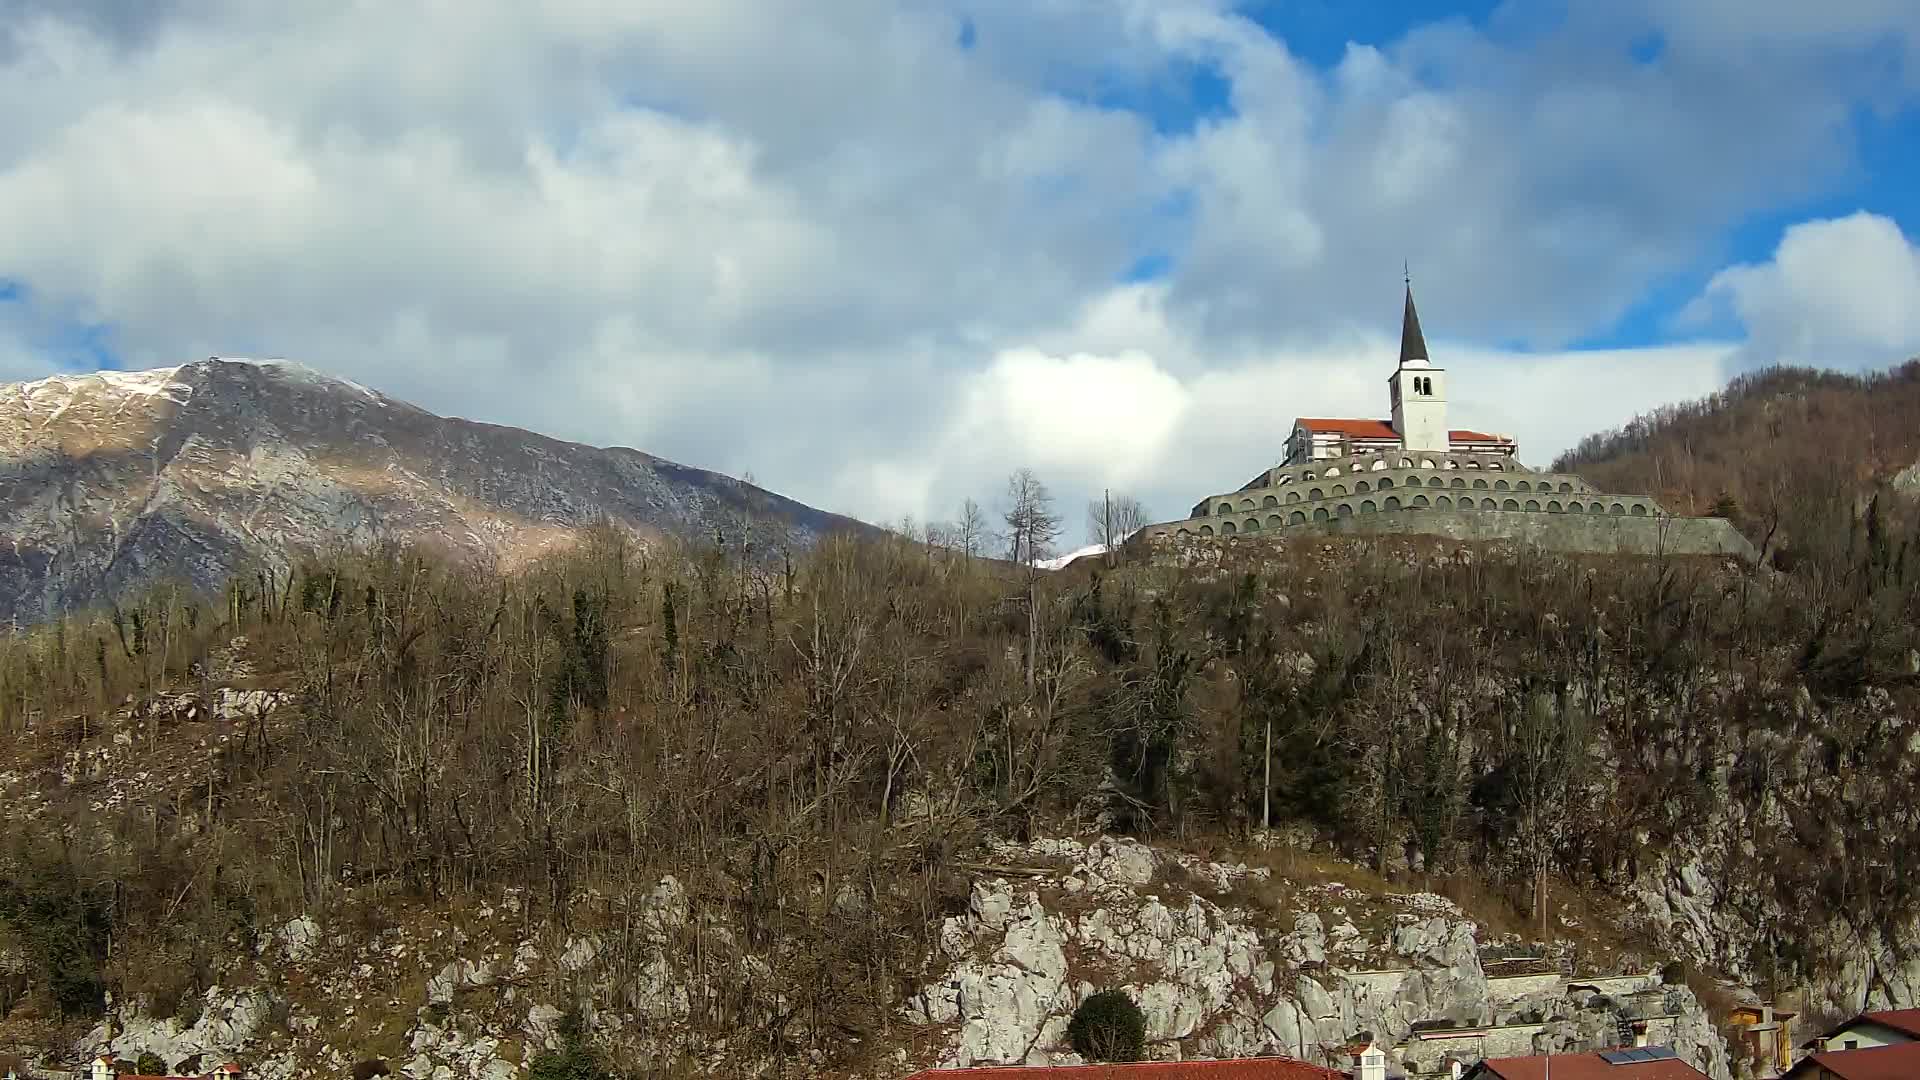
{"points": [[1419, 390]]}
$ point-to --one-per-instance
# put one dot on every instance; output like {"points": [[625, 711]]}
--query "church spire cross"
{"points": [[1413, 344]]}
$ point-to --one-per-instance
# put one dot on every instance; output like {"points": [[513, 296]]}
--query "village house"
{"points": [[1899, 1061], [1868, 1030], [1369, 1064], [1633, 1063]]}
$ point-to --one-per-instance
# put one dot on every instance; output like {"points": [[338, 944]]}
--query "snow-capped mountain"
{"points": [[113, 480]]}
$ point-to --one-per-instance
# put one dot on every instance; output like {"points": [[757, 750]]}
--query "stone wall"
{"points": [[1608, 534], [1506, 989]]}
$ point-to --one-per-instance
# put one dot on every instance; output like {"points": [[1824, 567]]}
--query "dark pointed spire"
{"points": [[1413, 344]]}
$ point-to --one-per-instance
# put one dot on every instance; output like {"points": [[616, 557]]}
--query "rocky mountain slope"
{"points": [[111, 481]]}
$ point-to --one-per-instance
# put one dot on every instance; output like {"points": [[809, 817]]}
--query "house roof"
{"points": [[1364, 429], [1901, 1061], [1903, 1020], [1585, 1067], [1234, 1069], [1383, 429], [1463, 435]]}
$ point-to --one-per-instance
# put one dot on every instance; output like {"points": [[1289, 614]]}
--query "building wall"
{"points": [[1868, 1034]]}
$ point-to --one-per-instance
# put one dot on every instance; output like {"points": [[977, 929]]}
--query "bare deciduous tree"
{"points": [[1032, 527]]}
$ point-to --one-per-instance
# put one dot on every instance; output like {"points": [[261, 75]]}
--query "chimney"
{"points": [[103, 1069], [1370, 1063]]}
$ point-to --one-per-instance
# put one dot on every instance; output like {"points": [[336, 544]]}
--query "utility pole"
{"points": [[1266, 783], [1106, 526]]}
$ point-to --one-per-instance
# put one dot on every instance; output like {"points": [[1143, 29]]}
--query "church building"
{"points": [[1417, 391], [1414, 475]]}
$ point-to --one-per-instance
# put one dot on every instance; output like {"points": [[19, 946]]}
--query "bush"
{"points": [[1674, 973], [1109, 1027], [150, 1064], [576, 1059], [367, 1070]]}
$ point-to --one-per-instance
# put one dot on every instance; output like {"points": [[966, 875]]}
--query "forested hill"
{"points": [[1773, 449]]}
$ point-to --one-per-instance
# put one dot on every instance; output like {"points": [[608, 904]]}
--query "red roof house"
{"points": [[1644, 1063], [1234, 1069], [1900, 1061]]}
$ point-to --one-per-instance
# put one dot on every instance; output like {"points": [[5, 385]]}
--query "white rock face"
{"points": [[1209, 982], [227, 1025]]}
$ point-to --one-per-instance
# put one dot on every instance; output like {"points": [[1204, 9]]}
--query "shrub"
{"points": [[1108, 1026], [1673, 973], [150, 1064], [367, 1070], [576, 1059]]}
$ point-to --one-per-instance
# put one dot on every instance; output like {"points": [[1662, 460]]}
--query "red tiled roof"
{"points": [[1587, 1067], [1236, 1069], [1463, 435], [1900, 1061], [1359, 429], [1383, 429], [1906, 1020]]}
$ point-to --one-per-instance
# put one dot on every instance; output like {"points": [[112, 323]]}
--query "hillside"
{"points": [[743, 822], [113, 481], [1779, 450]]}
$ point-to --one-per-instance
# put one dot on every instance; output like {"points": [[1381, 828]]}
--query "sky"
{"points": [[875, 255]]}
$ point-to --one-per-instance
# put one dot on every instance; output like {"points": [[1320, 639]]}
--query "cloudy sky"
{"points": [[877, 254]]}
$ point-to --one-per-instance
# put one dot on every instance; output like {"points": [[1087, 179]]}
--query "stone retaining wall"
{"points": [[1604, 533]]}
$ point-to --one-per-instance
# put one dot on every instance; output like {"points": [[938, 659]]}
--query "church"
{"points": [[1414, 475], [1418, 394]]}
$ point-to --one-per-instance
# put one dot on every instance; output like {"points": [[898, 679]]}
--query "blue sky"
{"points": [[880, 253]]}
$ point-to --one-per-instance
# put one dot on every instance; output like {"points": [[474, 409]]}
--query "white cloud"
{"points": [[1840, 292], [834, 246]]}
